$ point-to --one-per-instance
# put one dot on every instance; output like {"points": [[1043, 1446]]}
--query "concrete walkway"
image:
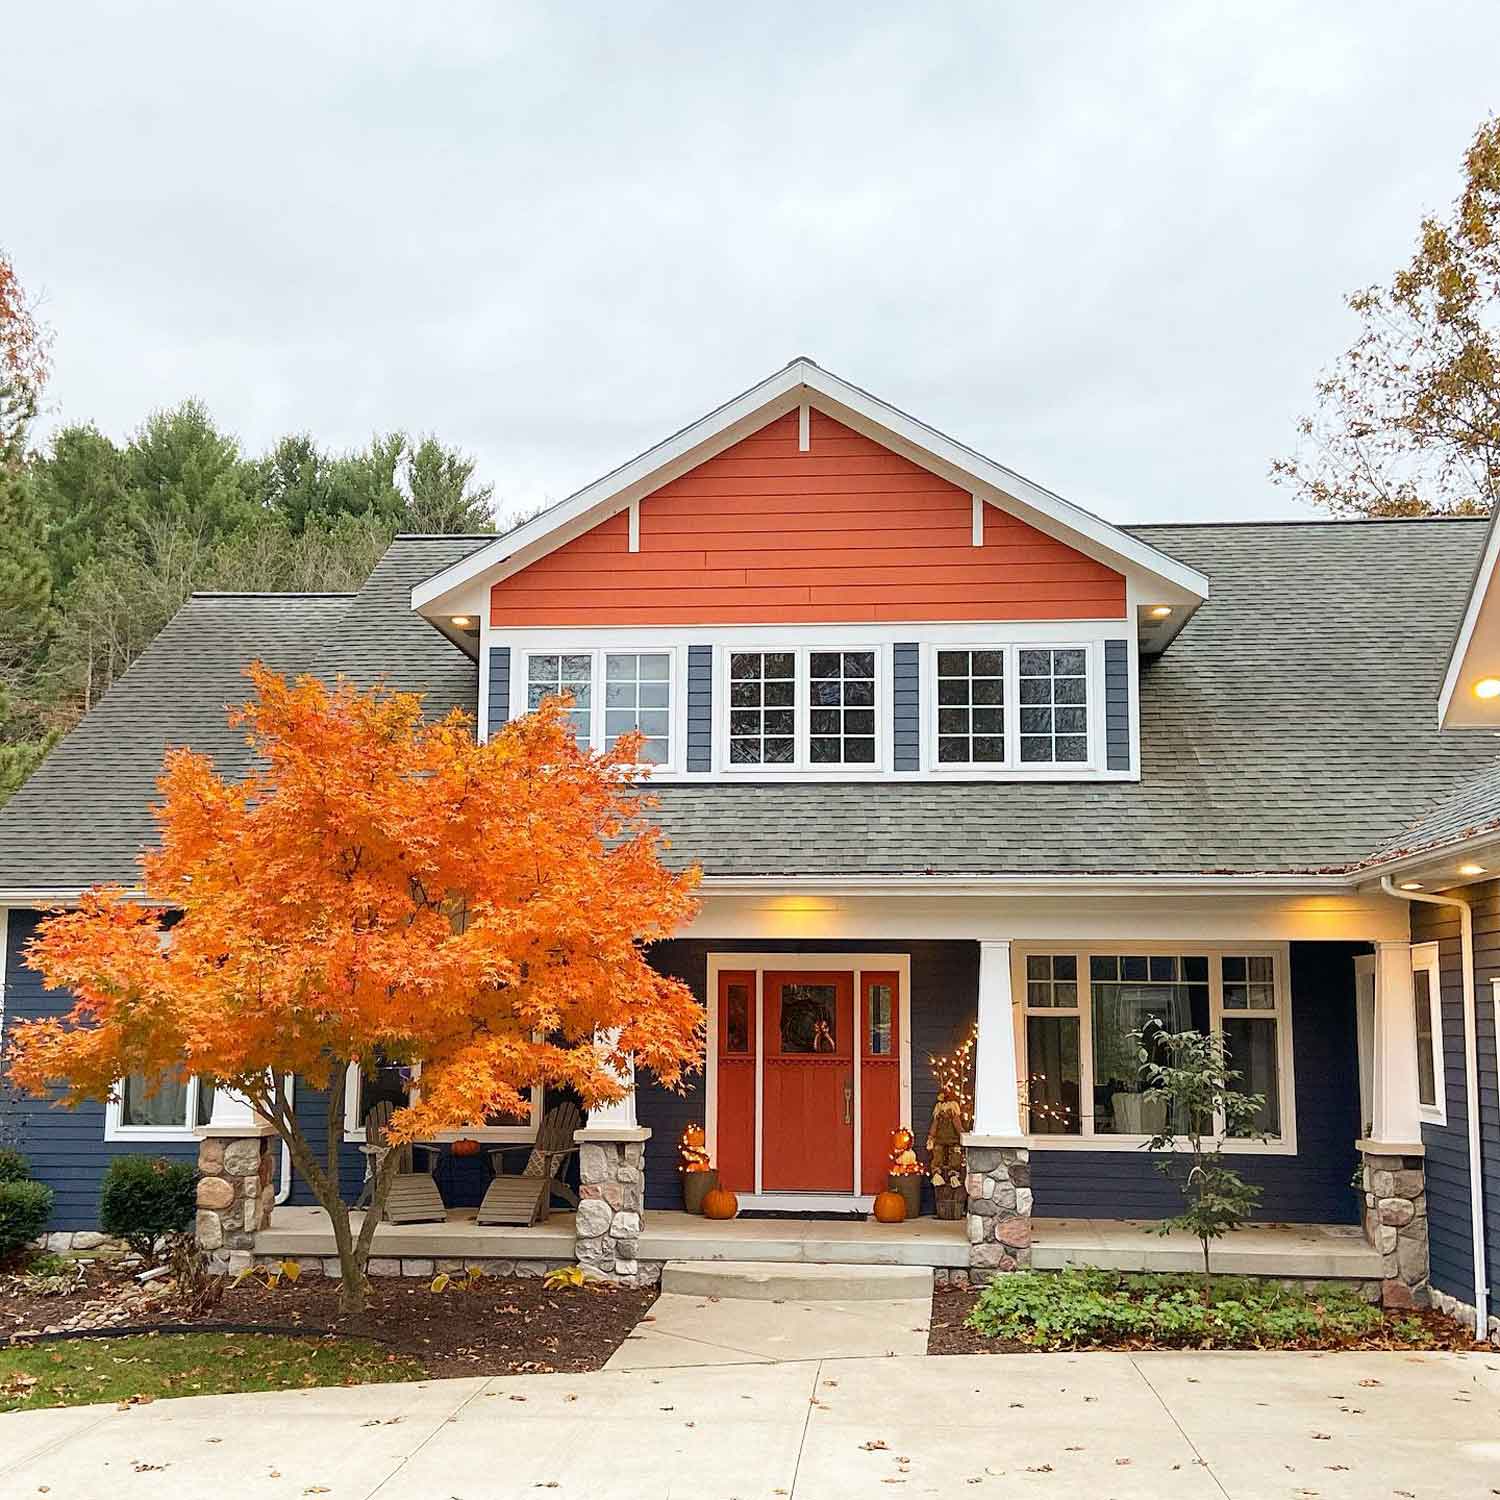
{"points": [[1109, 1426]]}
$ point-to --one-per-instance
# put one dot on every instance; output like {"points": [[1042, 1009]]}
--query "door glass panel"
{"points": [[737, 1018], [809, 1018], [879, 1028]]}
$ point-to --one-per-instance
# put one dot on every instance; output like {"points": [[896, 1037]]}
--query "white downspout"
{"points": [[1471, 1096], [284, 1191]]}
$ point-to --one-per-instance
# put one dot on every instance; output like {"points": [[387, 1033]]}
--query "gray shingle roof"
{"points": [[85, 813], [1473, 809], [1291, 727]]}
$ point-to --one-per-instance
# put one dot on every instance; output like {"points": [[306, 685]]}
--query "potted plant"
{"points": [[905, 1176], [698, 1177]]}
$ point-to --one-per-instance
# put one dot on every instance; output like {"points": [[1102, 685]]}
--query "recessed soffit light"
{"points": [[1471, 869], [1487, 687], [1411, 885]]}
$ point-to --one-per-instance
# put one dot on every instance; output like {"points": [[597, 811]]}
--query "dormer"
{"points": [[809, 584]]}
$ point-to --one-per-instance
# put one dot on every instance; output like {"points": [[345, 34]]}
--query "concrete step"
{"points": [[793, 1281]]}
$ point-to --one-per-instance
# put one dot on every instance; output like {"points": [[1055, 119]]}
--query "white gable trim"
{"points": [[803, 383], [1458, 662]]}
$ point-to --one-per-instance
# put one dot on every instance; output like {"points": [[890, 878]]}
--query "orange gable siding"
{"points": [[848, 531]]}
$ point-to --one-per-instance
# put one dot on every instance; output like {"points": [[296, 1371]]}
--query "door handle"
{"points": [[848, 1104]]}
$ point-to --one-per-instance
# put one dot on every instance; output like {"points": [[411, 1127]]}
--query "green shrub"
{"points": [[25, 1208], [13, 1167], [146, 1197], [1076, 1309]]}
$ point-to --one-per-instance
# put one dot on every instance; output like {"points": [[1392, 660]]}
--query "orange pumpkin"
{"points": [[720, 1203], [465, 1147], [890, 1207]]}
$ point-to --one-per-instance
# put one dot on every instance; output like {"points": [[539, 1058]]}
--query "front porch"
{"points": [[1291, 1252]]}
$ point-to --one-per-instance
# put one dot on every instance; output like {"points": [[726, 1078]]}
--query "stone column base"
{"points": [[999, 1220], [1395, 1222], [235, 1197], [611, 1202]]}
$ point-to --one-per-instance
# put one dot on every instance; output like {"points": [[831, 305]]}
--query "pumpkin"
{"points": [[890, 1207], [720, 1203], [465, 1147]]}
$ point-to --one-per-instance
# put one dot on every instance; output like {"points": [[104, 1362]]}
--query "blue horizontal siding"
{"points": [[66, 1147]]}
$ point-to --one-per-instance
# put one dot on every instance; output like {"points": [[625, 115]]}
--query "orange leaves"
{"points": [[378, 882]]}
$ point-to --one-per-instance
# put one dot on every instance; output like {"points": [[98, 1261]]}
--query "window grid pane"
{"points": [[762, 708], [841, 713], [637, 695], [1052, 981], [1426, 1060], [1053, 712], [572, 672], [971, 707]]}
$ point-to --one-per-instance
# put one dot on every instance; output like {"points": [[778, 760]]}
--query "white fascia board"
{"points": [[38, 898], [1437, 861], [752, 409], [909, 884], [1472, 611]]}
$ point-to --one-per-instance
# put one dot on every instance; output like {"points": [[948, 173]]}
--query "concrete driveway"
{"points": [[1248, 1426]]}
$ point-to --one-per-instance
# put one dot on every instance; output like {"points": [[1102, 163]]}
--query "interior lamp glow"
{"points": [[1487, 687]]}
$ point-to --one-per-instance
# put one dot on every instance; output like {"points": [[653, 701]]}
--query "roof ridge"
{"points": [[274, 594], [1293, 521]]}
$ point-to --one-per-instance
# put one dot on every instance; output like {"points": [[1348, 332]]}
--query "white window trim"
{"points": [[1425, 958], [569, 645], [518, 1134], [521, 641], [802, 704], [1284, 1144], [115, 1131]]}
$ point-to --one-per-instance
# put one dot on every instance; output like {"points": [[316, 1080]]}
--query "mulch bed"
{"points": [[500, 1327], [950, 1334]]}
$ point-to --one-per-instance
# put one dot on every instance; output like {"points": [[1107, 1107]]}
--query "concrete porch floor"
{"points": [[1299, 1251]]}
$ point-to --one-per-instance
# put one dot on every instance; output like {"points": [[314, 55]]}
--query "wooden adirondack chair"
{"points": [[526, 1197], [414, 1196]]}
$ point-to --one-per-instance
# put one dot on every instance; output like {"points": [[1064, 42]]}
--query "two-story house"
{"points": [[958, 759]]}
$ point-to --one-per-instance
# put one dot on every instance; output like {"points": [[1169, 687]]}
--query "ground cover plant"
{"points": [[1083, 1309], [75, 1372]]}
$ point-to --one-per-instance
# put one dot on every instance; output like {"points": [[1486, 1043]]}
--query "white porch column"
{"points": [[621, 1114], [997, 1094], [1396, 1114]]}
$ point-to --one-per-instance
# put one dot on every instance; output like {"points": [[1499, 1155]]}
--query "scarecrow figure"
{"points": [[946, 1156]]}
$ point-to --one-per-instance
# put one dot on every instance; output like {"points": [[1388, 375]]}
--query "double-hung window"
{"points": [[1053, 714], [1086, 1013], [800, 709], [613, 693], [970, 707]]}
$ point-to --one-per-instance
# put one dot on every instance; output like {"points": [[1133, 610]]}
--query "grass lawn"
{"points": [[75, 1372]]}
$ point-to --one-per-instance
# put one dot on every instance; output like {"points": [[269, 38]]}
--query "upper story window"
{"points": [[762, 708], [1054, 693], [971, 708], [841, 720], [637, 695], [804, 709]]}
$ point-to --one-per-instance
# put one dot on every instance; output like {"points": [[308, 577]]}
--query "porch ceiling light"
{"points": [[463, 621], [1487, 687], [1471, 869], [1161, 611], [1411, 885]]}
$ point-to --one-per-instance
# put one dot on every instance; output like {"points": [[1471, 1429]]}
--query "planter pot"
{"points": [[950, 1203], [909, 1185], [695, 1185]]}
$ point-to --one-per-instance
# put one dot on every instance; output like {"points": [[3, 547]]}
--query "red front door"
{"points": [[808, 1060]]}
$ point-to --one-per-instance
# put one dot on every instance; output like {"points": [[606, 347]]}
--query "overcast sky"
{"points": [[1105, 244]]}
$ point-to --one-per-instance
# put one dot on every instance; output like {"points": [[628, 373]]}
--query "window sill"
{"points": [[1277, 1146], [126, 1133]]}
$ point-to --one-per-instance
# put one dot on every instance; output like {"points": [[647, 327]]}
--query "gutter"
{"points": [[1471, 1096]]}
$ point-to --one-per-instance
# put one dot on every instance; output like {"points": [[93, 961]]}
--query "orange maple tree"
{"points": [[377, 887]]}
